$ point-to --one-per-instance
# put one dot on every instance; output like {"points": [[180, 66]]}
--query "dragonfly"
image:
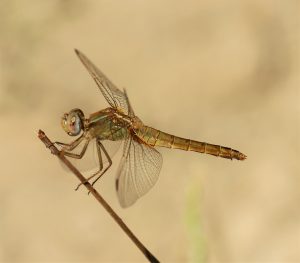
{"points": [[141, 162]]}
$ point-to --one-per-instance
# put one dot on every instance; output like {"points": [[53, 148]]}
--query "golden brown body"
{"points": [[106, 124], [156, 137]]}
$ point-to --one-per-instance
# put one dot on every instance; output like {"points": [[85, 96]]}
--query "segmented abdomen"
{"points": [[156, 137]]}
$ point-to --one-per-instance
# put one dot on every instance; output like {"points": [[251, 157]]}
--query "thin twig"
{"points": [[93, 191]]}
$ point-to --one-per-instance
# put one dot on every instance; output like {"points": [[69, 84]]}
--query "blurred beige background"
{"points": [[225, 72]]}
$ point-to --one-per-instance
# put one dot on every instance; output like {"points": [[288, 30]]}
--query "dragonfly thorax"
{"points": [[73, 122]]}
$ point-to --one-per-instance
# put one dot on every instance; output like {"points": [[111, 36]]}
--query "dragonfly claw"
{"points": [[76, 189], [80, 185]]}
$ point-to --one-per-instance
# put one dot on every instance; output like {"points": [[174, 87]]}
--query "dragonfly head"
{"points": [[73, 122]]}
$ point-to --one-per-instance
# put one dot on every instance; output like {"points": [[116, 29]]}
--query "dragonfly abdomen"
{"points": [[156, 137]]}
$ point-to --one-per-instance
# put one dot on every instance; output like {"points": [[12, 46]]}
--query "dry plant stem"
{"points": [[93, 191]]}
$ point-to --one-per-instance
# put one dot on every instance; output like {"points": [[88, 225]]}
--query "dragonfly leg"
{"points": [[100, 164], [108, 159], [71, 146], [75, 155]]}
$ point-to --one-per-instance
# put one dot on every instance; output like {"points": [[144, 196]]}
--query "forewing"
{"points": [[115, 97], [130, 110], [138, 171]]}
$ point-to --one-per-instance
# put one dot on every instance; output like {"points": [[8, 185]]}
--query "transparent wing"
{"points": [[130, 110], [115, 97], [138, 171]]}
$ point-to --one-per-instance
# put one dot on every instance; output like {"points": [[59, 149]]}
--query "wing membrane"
{"points": [[138, 171], [115, 97], [130, 110]]}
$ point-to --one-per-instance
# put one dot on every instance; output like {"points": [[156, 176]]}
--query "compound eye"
{"points": [[72, 122]]}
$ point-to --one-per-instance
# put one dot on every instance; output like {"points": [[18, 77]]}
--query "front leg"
{"points": [[75, 155], [71, 146]]}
